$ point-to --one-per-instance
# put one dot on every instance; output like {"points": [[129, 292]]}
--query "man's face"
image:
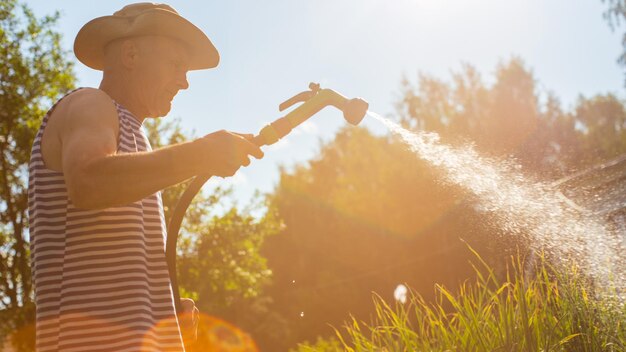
{"points": [[161, 71]]}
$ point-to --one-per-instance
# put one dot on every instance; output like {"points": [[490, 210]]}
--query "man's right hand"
{"points": [[222, 153]]}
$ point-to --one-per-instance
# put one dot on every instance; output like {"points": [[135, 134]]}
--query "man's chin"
{"points": [[162, 111]]}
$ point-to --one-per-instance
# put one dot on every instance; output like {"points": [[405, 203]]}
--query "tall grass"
{"points": [[550, 310]]}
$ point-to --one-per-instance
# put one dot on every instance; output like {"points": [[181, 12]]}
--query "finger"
{"points": [[246, 136], [253, 150], [259, 153], [245, 161], [249, 145]]}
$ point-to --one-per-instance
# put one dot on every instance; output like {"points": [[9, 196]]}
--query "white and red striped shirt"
{"points": [[100, 276]]}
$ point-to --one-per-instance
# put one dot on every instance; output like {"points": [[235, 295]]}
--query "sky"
{"points": [[270, 50]]}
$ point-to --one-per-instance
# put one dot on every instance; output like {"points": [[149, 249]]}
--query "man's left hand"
{"points": [[188, 320]]}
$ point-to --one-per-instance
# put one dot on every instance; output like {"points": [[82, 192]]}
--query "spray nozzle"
{"points": [[314, 100]]}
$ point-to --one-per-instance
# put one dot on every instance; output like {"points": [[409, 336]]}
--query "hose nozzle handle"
{"points": [[302, 96]]}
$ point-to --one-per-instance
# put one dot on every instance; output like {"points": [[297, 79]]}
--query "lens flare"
{"points": [[217, 335]]}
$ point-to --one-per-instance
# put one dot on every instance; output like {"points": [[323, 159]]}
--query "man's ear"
{"points": [[129, 53]]}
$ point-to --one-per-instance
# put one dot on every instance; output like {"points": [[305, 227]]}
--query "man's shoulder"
{"points": [[89, 99], [88, 105], [85, 112]]}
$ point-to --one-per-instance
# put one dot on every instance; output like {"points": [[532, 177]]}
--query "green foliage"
{"points": [[33, 74], [221, 265], [548, 311], [321, 345]]}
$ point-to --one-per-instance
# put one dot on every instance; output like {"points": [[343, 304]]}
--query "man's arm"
{"points": [[97, 177]]}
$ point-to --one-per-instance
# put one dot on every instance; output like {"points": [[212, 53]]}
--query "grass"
{"points": [[550, 310]]}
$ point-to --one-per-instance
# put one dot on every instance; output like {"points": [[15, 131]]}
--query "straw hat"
{"points": [[143, 19]]}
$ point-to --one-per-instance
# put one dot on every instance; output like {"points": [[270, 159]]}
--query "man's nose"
{"points": [[182, 81]]}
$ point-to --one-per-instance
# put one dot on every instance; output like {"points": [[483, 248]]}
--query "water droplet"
{"points": [[301, 314]]}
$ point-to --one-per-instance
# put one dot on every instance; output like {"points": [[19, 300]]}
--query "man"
{"points": [[97, 225]]}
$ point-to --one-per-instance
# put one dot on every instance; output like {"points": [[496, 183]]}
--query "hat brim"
{"points": [[97, 33]]}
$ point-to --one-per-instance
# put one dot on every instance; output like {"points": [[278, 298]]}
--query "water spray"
{"points": [[573, 235], [313, 100]]}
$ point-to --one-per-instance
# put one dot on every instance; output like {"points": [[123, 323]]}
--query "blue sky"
{"points": [[270, 50]]}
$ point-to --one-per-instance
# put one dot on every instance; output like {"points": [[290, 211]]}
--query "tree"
{"points": [[615, 14], [505, 119], [35, 72], [602, 126]]}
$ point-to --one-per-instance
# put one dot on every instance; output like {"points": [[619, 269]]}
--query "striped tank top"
{"points": [[100, 276]]}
